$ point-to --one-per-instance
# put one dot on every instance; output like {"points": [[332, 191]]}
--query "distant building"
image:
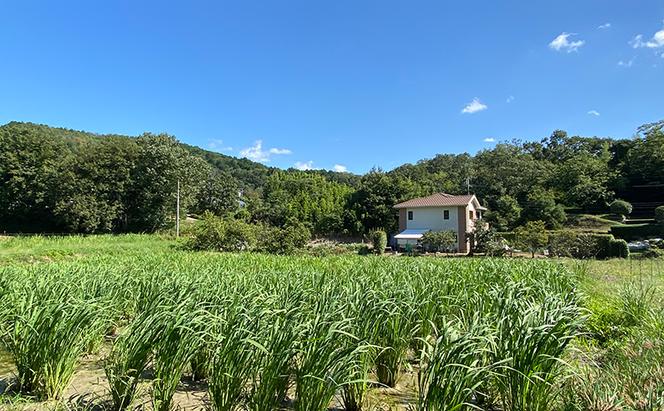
{"points": [[438, 212]]}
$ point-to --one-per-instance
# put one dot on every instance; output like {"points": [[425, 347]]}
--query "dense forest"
{"points": [[59, 180]]}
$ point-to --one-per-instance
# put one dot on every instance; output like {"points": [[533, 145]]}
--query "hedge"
{"points": [[637, 231], [569, 243]]}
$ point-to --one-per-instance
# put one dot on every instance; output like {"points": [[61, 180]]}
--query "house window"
{"points": [[446, 214], [470, 214], [410, 215]]}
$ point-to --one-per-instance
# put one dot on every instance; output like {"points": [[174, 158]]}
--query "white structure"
{"points": [[438, 212]]}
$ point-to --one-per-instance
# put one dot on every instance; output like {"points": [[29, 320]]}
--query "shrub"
{"points": [[621, 207], [533, 236], [637, 231], [378, 240], [439, 240], [652, 253], [619, 248], [568, 243], [659, 214], [284, 240], [217, 234]]}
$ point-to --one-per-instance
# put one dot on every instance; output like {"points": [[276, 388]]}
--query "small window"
{"points": [[410, 215], [470, 214], [446, 214]]}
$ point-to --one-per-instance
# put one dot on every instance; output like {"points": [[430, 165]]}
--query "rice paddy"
{"points": [[126, 322]]}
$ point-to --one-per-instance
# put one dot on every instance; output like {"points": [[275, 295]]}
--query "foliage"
{"points": [[58, 180], [505, 214], [621, 207], [659, 215], [478, 333], [569, 243], [533, 236], [227, 234], [631, 232], [438, 241], [486, 240], [541, 206], [378, 241]]}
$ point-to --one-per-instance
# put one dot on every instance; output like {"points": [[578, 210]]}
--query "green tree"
{"points": [[505, 213], [659, 214], [219, 194], [541, 206], [161, 163], [533, 236], [621, 208], [375, 198], [439, 240], [30, 166]]}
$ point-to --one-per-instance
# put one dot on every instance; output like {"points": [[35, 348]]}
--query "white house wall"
{"points": [[432, 218]]}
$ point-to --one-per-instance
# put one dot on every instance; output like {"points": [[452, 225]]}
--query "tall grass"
{"points": [[262, 329], [46, 328]]}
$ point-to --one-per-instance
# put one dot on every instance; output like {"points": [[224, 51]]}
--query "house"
{"points": [[438, 212]]}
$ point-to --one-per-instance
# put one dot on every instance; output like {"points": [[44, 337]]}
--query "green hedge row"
{"points": [[638, 231], [568, 243]]}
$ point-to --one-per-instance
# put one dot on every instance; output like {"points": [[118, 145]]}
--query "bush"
{"points": [[286, 240], [378, 240], [619, 248], [652, 253], [533, 236], [217, 234], [439, 241], [621, 207], [659, 214], [637, 231], [568, 243]]}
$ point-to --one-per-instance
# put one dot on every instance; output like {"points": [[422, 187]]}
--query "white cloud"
{"points": [[594, 113], [509, 99], [280, 151], [562, 43], [656, 41], [256, 152], [340, 168], [604, 26], [489, 140], [309, 165], [218, 145], [474, 106], [628, 63]]}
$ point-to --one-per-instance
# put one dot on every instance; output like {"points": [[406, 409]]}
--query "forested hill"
{"points": [[54, 179]]}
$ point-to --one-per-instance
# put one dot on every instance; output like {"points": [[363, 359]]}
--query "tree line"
{"points": [[57, 180]]}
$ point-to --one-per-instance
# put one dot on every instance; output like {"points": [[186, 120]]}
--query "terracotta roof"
{"points": [[437, 200]]}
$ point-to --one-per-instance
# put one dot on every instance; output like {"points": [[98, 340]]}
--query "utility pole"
{"points": [[177, 212], [468, 185]]}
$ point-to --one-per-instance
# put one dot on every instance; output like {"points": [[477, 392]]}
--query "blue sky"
{"points": [[344, 83]]}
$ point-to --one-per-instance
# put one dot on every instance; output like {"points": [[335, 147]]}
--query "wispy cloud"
{"points": [[509, 99], [215, 144], [563, 43], [604, 26], [628, 63], [656, 41], [489, 140], [280, 151], [308, 165], [257, 153], [340, 168], [474, 106], [594, 113]]}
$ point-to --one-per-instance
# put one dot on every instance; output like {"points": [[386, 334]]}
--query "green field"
{"points": [[118, 322]]}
